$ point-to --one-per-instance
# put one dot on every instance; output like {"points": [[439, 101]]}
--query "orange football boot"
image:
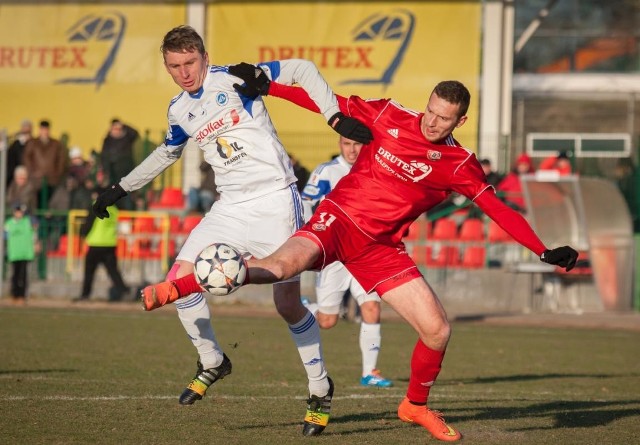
{"points": [[429, 419]]}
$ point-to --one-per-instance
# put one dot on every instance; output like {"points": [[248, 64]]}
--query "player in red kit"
{"points": [[412, 164]]}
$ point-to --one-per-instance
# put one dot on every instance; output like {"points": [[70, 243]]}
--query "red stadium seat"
{"points": [[473, 257], [445, 229], [189, 222], [447, 256], [170, 198], [472, 229], [144, 224]]}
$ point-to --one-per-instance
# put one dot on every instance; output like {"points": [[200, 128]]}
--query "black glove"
{"points": [[107, 198], [350, 127], [256, 82], [560, 256]]}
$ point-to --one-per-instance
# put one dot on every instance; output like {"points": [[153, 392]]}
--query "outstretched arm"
{"points": [[317, 95], [518, 227]]}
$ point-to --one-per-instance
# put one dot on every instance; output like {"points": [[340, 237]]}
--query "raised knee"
{"points": [[437, 335]]}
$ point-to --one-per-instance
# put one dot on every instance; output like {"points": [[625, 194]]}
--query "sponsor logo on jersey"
{"points": [[413, 170], [222, 98], [191, 117], [213, 128], [319, 227], [393, 132], [434, 155], [231, 151]]}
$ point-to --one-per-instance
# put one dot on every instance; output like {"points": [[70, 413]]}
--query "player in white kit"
{"points": [[335, 280], [259, 205]]}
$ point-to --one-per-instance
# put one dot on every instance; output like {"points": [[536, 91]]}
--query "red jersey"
{"points": [[400, 174]]}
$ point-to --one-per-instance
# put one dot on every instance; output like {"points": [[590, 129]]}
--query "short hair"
{"points": [[45, 124], [454, 92], [181, 39], [485, 161], [21, 170]]}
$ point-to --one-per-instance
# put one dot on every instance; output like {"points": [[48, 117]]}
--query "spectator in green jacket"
{"points": [[22, 245], [102, 240]]}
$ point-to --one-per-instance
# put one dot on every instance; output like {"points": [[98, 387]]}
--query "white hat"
{"points": [[75, 152]]}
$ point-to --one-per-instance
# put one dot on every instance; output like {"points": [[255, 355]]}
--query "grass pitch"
{"points": [[101, 376]]}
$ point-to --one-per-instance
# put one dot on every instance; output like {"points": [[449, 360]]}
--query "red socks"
{"points": [[187, 285], [425, 367]]}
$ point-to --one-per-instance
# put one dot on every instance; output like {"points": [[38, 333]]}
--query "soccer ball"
{"points": [[220, 269]]}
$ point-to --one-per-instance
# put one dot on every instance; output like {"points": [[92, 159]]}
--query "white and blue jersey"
{"points": [[234, 132], [259, 206], [323, 179]]}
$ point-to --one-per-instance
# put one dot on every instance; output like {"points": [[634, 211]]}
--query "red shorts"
{"points": [[376, 266]]}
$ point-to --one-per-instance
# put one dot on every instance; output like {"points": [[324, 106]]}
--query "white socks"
{"points": [[306, 335], [195, 316], [370, 339]]}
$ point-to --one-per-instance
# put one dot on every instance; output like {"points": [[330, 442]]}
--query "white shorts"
{"points": [[331, 285], [256, 227]]}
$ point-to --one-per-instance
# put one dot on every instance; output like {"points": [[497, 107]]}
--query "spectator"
{"points": [[61, 199], [201, 199], [102, 240], [510, 188], [22, 245], [81, 195], [15, 152], [21, 190], [79, 168], [493, 177], [46, 161], [117, 158], [560, 162]]}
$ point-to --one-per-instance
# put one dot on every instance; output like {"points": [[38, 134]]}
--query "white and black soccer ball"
{"points": [[220, 269]]}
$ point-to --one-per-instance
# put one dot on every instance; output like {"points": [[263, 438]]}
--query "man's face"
{"points": [[117, 130], [440, 119], [44, 133], [187, 69], [349, 149]]}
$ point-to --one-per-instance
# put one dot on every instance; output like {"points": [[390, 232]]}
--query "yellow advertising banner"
{"points": [[395, 49], [79, 66]]}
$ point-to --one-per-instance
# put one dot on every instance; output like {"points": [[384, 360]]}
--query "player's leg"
{"points": [[331, 285], [370, 335], [271, 223], [195, 316], [223, 224], [417, 303]]}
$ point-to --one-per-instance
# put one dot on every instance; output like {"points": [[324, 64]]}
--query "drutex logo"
{"points": [[414, 170], [376, 49], [86, 54]]}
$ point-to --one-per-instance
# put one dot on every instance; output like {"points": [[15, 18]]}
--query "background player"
{"points": [[335, 280], [412, 164], [259, 205]]}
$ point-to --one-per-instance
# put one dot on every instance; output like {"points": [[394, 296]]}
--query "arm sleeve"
{"points": [[295, 95], [158, 161], [511, 221], [306, 74]]}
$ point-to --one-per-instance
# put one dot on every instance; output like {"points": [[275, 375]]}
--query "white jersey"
{"points": [[234, 132], [323, 179]]}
